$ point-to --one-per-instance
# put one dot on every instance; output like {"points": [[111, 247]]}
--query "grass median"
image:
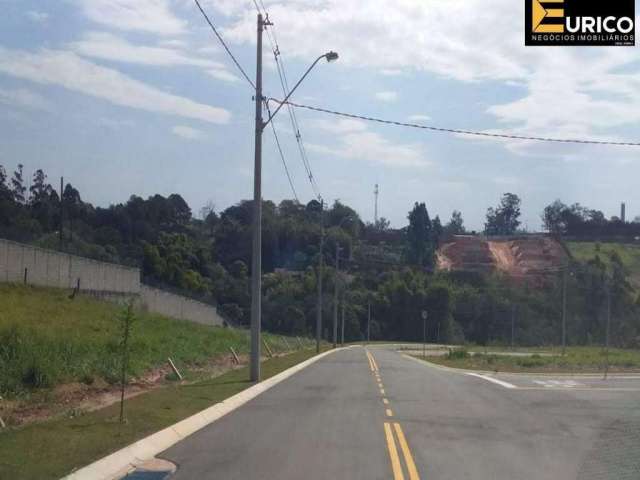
{"points": [[54, 448], [576, 360]]}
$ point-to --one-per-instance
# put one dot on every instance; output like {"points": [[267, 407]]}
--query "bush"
{"points": [[530, 362], [457, 354]]}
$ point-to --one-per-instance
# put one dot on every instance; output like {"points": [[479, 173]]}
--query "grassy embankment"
{"points": [[48, 340], [629, 254]]}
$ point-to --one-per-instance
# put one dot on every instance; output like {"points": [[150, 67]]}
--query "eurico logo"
{"points": [[579, 22]]}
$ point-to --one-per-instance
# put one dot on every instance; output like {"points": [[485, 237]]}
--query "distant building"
{"points": [[623, 208]]}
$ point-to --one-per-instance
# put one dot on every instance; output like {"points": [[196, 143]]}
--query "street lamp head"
{"points": [[331, 56]]}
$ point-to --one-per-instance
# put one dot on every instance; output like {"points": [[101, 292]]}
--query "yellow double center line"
{"points": [[389, 429], [372, 363], [396, 465]]}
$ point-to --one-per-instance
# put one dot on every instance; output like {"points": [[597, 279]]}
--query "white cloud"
{"points": [[152, 16], [340, 126], [419, 118], [223, 74], [387, 96], [21, 97], [188, 133], [570, 91], [68, 70], [355, 142], [37, 17], [110, 47]]}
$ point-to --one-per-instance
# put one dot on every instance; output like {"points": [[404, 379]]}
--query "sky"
{"points": [[129, 97]]}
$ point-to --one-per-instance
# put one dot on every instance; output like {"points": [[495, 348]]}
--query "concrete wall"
{"points": [[49, 268], [179, 307], [108, 281]]}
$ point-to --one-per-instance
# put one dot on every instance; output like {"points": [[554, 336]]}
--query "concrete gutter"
{"points": [[118, 464]]}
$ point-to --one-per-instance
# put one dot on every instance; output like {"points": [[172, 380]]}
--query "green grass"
{"points": [[630, 255], [54, 448], [576, 360], [46, 339]]}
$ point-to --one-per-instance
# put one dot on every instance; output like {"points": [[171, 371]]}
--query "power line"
{"points": [[282, 75], [284, 163], [225, 45], [456, 130]]}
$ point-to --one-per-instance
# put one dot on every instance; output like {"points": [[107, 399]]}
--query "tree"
{"points": [[553, 218], [503, 220], [419, 236], [437, 230], [5, 191], [382, 224], [17, 185], [455, 225], [40, 190]]}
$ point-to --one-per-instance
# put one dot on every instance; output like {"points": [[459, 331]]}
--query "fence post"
{"points": [[266, 345], [25, 275], [235, 356]]}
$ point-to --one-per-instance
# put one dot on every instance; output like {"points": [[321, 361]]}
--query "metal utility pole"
{"points": [[335, 298], [424, 334], [342, 332], [369, 321], [61, 213], [513, 324], [606, 351], [256, 255], [320, 269], [564, 310], [376, 191]]}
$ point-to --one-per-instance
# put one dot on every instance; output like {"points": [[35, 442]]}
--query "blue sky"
{"points": [[137, 96]]}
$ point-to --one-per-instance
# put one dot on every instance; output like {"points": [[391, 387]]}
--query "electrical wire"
{"points": [[275, 47], [284, 163], [456, 130], [225, 45]]}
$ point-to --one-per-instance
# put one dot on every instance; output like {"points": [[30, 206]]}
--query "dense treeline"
{"points": [[389, 271], [582, 222]]}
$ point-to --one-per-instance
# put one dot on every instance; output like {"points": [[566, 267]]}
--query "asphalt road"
{"points": [[382, 415]]}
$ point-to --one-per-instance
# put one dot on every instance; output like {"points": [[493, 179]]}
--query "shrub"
{"points": [[457, 354]]}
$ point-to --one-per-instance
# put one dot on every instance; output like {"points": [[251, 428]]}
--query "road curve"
{"points": [[372, 413]]}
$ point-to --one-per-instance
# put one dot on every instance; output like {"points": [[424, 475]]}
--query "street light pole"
{"points": [[513, 324], [342, 333], [369, 322], [424, 334], [256, 254], [335, 298], [608, 328], [320, 269], [564, 310]]}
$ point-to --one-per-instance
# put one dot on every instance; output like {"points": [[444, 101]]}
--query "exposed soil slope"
{"points": [[534, 256]]}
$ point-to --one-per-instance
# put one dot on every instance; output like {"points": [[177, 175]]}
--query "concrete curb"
{"points": [[119, 463]]}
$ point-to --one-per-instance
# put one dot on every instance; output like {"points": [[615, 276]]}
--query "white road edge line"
{"points": [[492, 380], [118, 464]]}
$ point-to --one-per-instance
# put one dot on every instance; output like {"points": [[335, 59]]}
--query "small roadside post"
{"points": [[424, 333]]}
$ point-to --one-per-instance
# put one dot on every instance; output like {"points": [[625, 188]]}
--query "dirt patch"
{"points": [[527, 258]]}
